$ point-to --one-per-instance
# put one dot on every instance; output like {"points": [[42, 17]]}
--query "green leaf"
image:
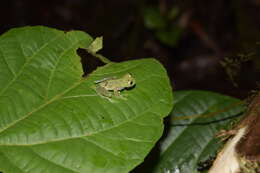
{"points": [[96, 45], [169, 37], [153, 18], [53, 121], [190, 141], [173, 13]]}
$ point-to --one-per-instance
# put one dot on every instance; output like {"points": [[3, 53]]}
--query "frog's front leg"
{"points": [[117, 94]]}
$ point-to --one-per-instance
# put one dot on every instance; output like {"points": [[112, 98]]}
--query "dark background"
{"points": [[195, 40], [209, 32]]}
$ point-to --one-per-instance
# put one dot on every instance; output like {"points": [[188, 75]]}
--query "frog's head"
{"points": [[129, 80]]}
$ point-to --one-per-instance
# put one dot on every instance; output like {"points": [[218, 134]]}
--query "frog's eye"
{"points": [[130, 82]]}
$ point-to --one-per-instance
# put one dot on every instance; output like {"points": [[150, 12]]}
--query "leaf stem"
{"points": [[102, 58]]}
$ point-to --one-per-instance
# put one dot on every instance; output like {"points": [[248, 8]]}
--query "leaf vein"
{"points": [[29, 60], [57, 164], [5, 60], [103, 148], [48, 102]]}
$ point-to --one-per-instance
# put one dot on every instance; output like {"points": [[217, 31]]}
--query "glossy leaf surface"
{"points": [[191, 140], [53, 121]]}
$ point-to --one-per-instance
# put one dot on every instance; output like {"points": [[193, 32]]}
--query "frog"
{"points": [[112, 86]]}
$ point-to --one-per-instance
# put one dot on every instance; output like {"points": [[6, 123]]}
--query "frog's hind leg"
{"points": [[103, 92]]}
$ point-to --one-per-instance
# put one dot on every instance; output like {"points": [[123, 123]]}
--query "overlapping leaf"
{"points": [[192, 140]]}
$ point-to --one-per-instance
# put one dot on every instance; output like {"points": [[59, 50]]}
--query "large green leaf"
{"points": [[53, 121], [192, 140]]}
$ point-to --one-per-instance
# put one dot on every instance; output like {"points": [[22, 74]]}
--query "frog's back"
{"points": [[111, 85], [103, 80]]}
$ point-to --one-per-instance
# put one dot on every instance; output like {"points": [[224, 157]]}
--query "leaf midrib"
{"points": [[27, 62], [74, 137], [57, 97]]}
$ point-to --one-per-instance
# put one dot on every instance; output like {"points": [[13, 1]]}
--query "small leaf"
{"points": [[96, 45], [53, 121], [190, 141], [153, 19], [170, 38], [173, 13]]}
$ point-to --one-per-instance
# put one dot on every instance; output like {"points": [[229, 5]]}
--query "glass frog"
{"points": [[104, 87]]}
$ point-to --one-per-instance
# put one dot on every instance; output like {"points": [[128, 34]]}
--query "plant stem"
{"points": [[100, 57]]}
